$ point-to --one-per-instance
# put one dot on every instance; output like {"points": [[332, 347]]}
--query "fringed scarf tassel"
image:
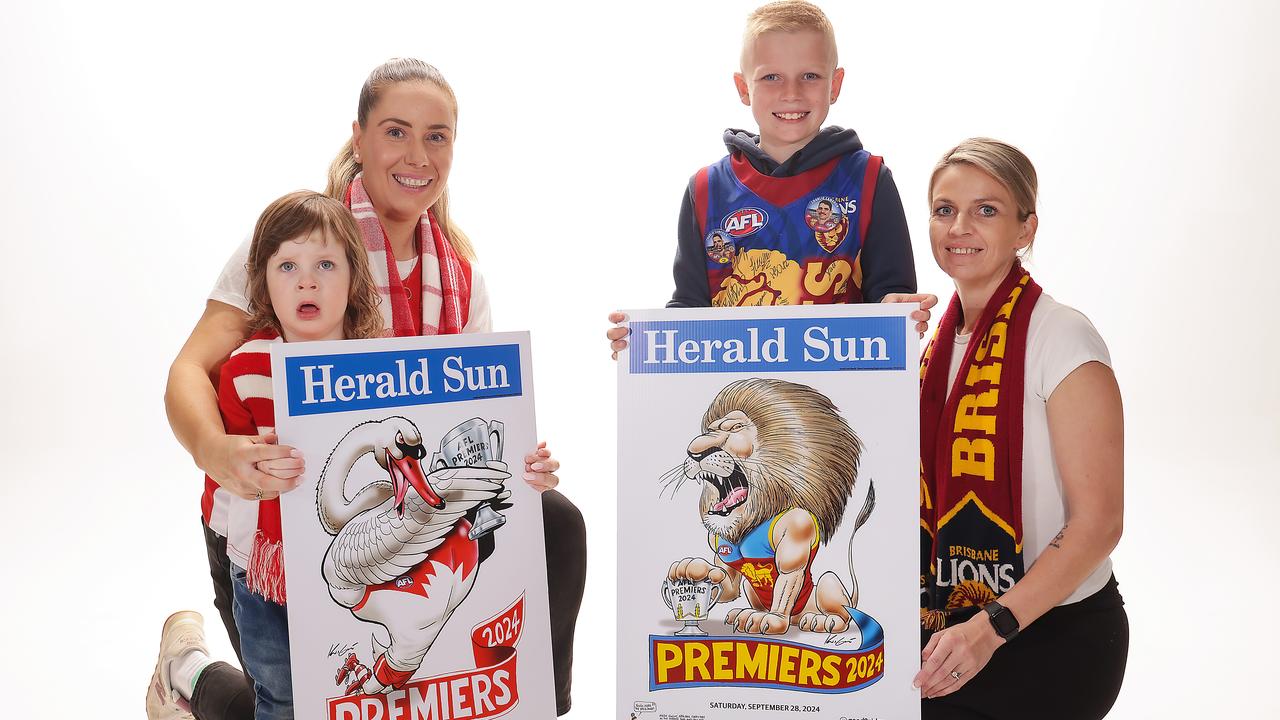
{"points": [[265, 574]]}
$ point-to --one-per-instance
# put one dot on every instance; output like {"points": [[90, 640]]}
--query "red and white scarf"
{"points": [[971, 455], [446, 277]]}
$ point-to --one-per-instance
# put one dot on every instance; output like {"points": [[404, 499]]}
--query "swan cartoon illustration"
{"points": [[402, 555]]}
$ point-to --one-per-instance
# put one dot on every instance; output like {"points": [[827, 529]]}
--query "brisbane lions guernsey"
{"points": [[756, 558], [785, 240]]}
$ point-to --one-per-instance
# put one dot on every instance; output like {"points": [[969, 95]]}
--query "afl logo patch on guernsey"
{"points": [[725, 550], [741, 223]]}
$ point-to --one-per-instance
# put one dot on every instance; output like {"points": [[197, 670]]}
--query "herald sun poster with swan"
{"points": [[414, 556]]}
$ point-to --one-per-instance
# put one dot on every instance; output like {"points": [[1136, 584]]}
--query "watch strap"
{"points": [[1002, 620]]}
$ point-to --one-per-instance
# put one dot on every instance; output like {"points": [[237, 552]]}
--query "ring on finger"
{"points": [[955, 674], [257, 495]]}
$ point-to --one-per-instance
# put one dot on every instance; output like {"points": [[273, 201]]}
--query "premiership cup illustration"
{"points": [[472, 444], [690, 602]]}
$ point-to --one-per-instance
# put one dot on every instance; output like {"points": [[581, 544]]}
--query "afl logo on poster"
{"points": [[741, 223]]}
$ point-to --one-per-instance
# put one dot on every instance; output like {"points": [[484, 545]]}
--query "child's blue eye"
{"points": [[770, 77], [287, 266], [327, 265], [812, 76]]}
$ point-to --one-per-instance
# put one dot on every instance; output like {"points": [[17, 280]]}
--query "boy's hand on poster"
{"points": [[540, 469], [618, 333], [253, 467], [922, 315]]}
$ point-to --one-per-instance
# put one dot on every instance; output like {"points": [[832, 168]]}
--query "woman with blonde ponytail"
{"points": [[392, 174]]}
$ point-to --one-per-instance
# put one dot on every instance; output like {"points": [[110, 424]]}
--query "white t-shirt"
{"points": [[1059, 340], [231, 288]]}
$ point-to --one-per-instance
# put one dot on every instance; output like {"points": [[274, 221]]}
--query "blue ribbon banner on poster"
{"points": [[773, 345], [361, 381]]}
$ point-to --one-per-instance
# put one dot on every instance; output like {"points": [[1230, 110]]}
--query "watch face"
{"points": [[1002, 620]]}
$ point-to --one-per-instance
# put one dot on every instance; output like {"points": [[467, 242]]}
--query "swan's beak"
{"points": [[406, 472]]}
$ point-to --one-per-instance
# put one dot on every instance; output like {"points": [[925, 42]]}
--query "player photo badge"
{"points": [[719, 247], [827, 218]]}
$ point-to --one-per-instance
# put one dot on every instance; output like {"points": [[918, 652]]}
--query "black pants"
{"points": [[1068, 665], [224, 693]]}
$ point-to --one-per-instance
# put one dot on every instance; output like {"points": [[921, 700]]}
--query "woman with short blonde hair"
{"points": [[1022, 491]]}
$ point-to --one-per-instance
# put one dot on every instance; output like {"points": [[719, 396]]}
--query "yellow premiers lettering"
{"points": [[787, 664], [831, 670], [810, 662], [754, 664], [695, 661], [722, 652], [669, 657]]}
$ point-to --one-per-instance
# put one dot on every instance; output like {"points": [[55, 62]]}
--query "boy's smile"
{"points": [[789, 79]]}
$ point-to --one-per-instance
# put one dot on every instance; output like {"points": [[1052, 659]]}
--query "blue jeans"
{"points": [[264, 643]]}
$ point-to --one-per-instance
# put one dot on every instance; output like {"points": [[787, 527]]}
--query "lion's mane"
{"points": [[806, 455]]}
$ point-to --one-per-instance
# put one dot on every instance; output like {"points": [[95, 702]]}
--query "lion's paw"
{"points": [[746, 620], [695, 569], [823, 623]]}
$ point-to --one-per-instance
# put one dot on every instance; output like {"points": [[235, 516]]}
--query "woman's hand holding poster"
{"points": [[768, 494], [414, 552]]}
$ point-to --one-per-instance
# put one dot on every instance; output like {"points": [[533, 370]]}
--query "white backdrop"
{"points": [[140, 143]]}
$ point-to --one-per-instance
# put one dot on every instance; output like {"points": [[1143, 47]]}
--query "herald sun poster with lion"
{"points": [[414, 556], [768, 542]]}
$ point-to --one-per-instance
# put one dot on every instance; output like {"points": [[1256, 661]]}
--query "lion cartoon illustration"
{"points": [[777, 465]]}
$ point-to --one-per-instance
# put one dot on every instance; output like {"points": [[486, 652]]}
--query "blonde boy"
{"points": [[758, 196]]}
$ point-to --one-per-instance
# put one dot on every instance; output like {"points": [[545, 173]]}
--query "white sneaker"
{"points": [[183, 631]]}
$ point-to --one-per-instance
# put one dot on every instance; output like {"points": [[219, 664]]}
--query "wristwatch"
{"points": [[1002, 620]]}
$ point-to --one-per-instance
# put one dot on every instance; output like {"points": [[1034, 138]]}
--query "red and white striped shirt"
{"points": [[244, 399]]}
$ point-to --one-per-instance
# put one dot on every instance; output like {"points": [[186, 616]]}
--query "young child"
{"points": [[813, 217], [308, 278]]}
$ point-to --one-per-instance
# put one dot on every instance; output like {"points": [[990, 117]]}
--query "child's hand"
{"points": [[253, 467], [618, 332], [288, 468], [921, 316], [540, 469]]}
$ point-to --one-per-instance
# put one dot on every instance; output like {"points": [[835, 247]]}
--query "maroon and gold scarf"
{"points": [[971, 455]]}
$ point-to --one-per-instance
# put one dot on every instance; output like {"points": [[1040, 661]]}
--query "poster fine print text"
{"points": [[768, 552], [413, 550]]}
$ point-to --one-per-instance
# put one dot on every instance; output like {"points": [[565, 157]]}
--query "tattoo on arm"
{"points": [[1056, 542]]}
